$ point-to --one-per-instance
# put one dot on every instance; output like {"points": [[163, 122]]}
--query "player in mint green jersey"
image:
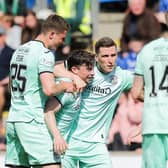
{"points": [[65, 107], [87, 144], [32, 81], [151, 73]]}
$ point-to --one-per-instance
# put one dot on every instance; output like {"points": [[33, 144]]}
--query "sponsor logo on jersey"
{"points": [[99, 90]]}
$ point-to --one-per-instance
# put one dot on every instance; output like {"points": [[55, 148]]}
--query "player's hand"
{"points": [[79, 83], [69, 86], [60, 145]]}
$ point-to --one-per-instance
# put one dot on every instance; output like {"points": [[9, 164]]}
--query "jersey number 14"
{"points": [[161, 85]]}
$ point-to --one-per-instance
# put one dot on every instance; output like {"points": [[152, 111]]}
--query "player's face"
{"points": [[86, 73], [57, 39], [106, 58]]}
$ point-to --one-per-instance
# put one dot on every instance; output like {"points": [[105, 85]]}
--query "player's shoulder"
{"points": [[38, 45], [154, 43], [22, 49], [123, 73], [119, 70]]}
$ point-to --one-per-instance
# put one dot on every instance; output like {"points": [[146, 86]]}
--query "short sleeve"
{"points": [[128, 77], [64, 98], [46, 62]]}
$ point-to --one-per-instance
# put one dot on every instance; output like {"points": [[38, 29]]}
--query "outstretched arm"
{"points": [[52, 107]]}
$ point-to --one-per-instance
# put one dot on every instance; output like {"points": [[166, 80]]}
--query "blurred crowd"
{"points": [[20, 23]]}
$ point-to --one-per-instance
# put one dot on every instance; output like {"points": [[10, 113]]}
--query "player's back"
{"points": [[152, 63], [27, 99]]}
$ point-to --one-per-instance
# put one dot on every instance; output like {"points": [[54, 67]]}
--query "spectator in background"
{"points": [[140, 26], [5, 57], [32, 27], [13, 26], [77, 14], [128, 116], [162, 8]]}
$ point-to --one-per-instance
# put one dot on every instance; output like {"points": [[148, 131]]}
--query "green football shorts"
{"points": [[155, 150], [29, 143], [86, 154]]}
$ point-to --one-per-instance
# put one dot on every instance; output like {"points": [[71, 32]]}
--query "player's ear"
{"points": [[51, 35], [96, 57], [74, 69]]}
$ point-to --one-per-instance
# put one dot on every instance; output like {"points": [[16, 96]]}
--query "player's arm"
{"points": [[61, 71], [141, 96], [137, 89], [51, 108], [50, 88]]}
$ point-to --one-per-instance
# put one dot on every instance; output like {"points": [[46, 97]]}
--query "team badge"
{"points": [[114, 80]]}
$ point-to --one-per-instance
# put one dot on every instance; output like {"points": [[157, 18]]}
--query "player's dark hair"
{"points": [[104, 42], [80, 57], [55, 22]]}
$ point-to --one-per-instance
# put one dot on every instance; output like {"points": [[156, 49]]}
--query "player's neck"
{"points": [[42, 38]]}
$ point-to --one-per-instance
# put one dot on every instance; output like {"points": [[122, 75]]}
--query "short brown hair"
{"points": [[55, 22], [104, 42]]}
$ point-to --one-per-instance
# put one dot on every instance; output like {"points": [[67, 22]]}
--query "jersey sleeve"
{"points": [[46, 62], [64, 98], [127, 79]]}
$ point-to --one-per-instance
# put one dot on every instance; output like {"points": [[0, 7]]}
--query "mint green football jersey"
{"points": [[68, 113], [152, 64], [99, 101], [27, 97]]}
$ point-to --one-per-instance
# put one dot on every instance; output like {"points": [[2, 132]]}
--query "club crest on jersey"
{"points": [[47, 62], [114, 80]]}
